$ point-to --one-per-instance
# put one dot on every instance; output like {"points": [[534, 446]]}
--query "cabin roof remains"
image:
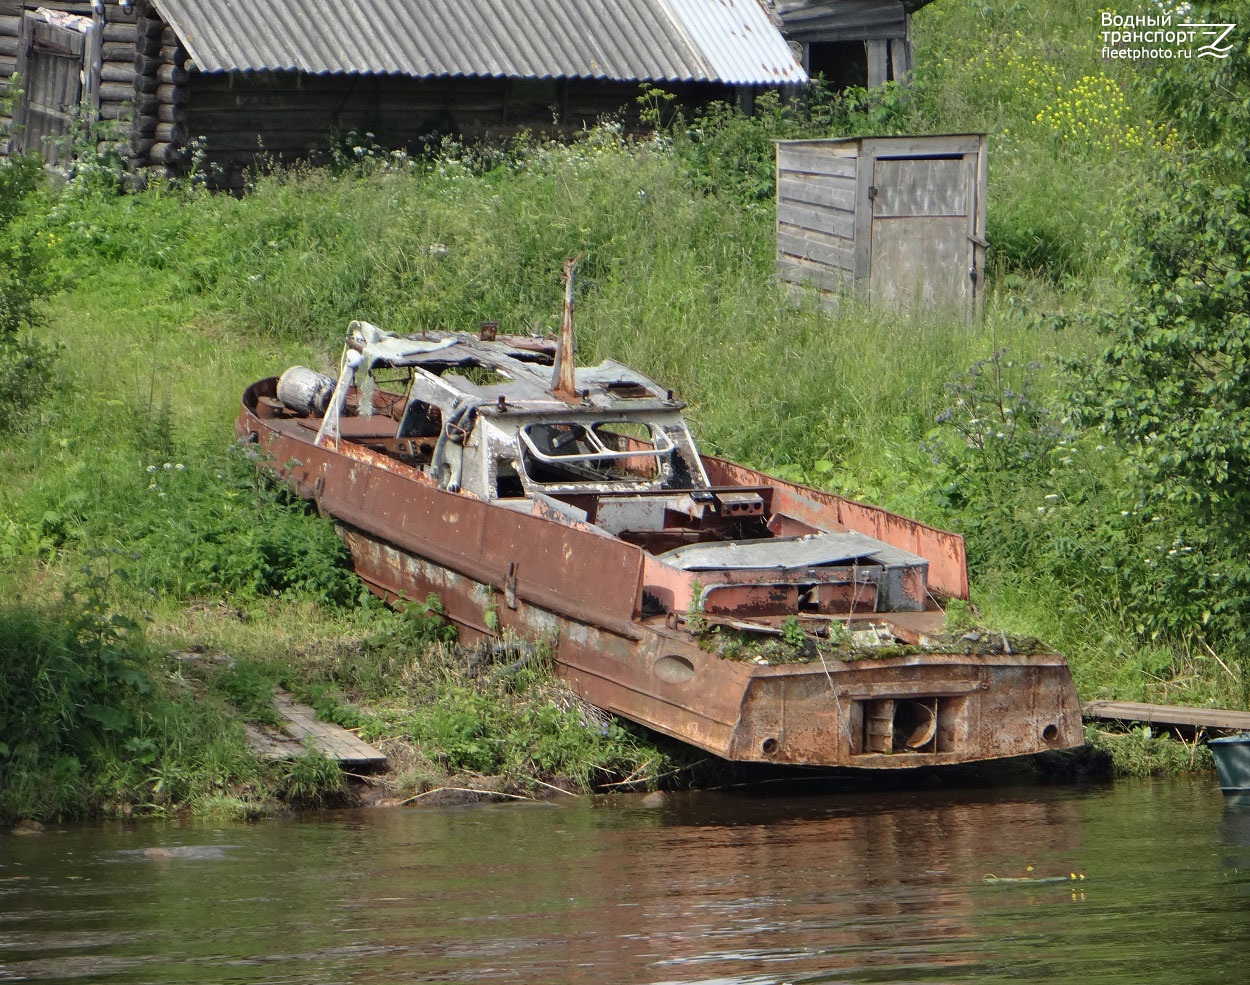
{"points": [[850, 42], [732, 42], [516, 368], [845, 20]]}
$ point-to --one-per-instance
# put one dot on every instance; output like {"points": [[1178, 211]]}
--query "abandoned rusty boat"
{"points": [[542, 501]]}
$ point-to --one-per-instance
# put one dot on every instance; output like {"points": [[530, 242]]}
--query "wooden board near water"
{"points": [[1175, 716], [301, 728]]}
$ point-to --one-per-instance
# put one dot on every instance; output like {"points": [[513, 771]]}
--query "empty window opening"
{"points": [[571, 452]]}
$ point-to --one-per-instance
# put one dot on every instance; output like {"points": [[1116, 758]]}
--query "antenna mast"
{"points": [[562, 382]]}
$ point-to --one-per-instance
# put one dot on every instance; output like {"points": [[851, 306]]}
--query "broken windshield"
{"points": [[564, 452]]}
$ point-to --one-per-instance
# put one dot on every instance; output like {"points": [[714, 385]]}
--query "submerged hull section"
{"points": [[628, 620]]}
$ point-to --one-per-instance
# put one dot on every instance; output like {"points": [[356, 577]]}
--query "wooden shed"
{"points": [[278, 80], [896, 220], [851, 42]]}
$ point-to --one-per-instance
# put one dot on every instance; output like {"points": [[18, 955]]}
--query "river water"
{"points": [[748, 887]]}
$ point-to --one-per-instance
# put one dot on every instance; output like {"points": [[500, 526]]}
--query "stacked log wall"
{"points": [[10, 30], [117, 74], [153, 101], [158, 135]]}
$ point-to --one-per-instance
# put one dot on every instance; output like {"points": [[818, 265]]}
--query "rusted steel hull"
{"points": [[497, 569]]}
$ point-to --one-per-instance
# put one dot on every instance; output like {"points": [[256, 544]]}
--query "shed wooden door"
{"points": [[924, 231], [52, 73]]}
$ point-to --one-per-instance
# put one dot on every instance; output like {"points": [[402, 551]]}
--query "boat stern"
{"points": [[939, 709]]}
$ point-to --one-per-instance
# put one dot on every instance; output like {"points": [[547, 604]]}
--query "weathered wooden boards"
{"points": [[302, 729], [104, 66], [897, 220], [1173, 716]]}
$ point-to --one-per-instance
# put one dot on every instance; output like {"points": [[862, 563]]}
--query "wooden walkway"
{"points": [[300, 728], [1174, 716]]}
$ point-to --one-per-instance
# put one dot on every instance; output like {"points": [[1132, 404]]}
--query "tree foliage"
{"points": [[1174, 381]]}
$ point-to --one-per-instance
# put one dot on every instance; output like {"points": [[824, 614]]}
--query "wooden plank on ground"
{"points": [[302, 728], [1178, 716]]}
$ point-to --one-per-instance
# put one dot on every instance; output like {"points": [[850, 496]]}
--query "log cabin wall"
{"points": [[157, 104], [10, 31], [139, 80], [158, 134], [240, 121], [228, 123], [108, 69]]}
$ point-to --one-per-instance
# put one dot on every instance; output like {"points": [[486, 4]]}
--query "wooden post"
{"points": [[900, 60], [878, 63]]}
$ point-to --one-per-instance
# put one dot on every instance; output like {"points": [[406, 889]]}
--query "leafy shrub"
{"points": [[730, 153], [1030, 237], [73, 682], [1141, 751], [515, 721], [216, 526], [20, 177], [884, 109], [248, 688], [408, 629], [1173, 383], [995, 438], [27, 376], [461, 730], [26, 277]]}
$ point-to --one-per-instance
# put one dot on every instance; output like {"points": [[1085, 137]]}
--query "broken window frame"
{"points": [[661, 450]]}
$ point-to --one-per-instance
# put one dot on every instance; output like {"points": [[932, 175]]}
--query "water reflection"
{"points": [[735, 887], [1235, 825]]}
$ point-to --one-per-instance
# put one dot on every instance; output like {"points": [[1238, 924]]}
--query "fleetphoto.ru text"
{"points": [[1145, 37]]}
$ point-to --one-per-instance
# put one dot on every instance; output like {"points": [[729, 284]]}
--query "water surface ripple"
{"points": [[741, 888]]}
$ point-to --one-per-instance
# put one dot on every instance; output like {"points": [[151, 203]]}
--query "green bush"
{"points": [[213, 526], [1030, 237], [26, 277], [27, 379], [310, 780], [26, 280], [83, 725], [1173, 383], [248, 688]]}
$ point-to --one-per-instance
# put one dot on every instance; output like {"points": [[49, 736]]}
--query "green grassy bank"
{"points": [[1089, 434]]}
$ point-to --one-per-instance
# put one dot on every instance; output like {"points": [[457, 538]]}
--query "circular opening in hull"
{"points": [[915, 722]]}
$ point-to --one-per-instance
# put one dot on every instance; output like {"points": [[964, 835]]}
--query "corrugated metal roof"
{"points": [[844, 20], [728, 41]]}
